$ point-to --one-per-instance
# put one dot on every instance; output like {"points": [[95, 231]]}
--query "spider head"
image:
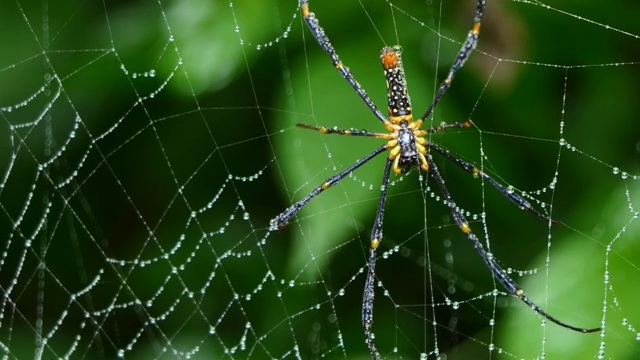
{"points": [[408, 156]]}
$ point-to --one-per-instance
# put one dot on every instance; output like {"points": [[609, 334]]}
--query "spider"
{"points": [[408, 148]]}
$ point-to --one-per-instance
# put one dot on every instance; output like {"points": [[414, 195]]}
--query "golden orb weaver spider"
{"points": [[408, 148]]}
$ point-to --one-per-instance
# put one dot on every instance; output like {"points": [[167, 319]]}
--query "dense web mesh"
{"points": [[145, 147]]}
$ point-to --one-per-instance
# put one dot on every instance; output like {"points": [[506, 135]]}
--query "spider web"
{"points": [[144, 148]]}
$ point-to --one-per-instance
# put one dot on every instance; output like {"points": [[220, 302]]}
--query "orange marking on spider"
{"points": [[476, 28], [397, 119], [389, 58]]}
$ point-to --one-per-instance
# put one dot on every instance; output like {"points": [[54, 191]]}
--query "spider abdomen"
{"points": [[397, 96]]}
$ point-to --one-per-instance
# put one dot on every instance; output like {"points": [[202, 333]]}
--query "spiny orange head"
{"points": [[389, 58]]}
